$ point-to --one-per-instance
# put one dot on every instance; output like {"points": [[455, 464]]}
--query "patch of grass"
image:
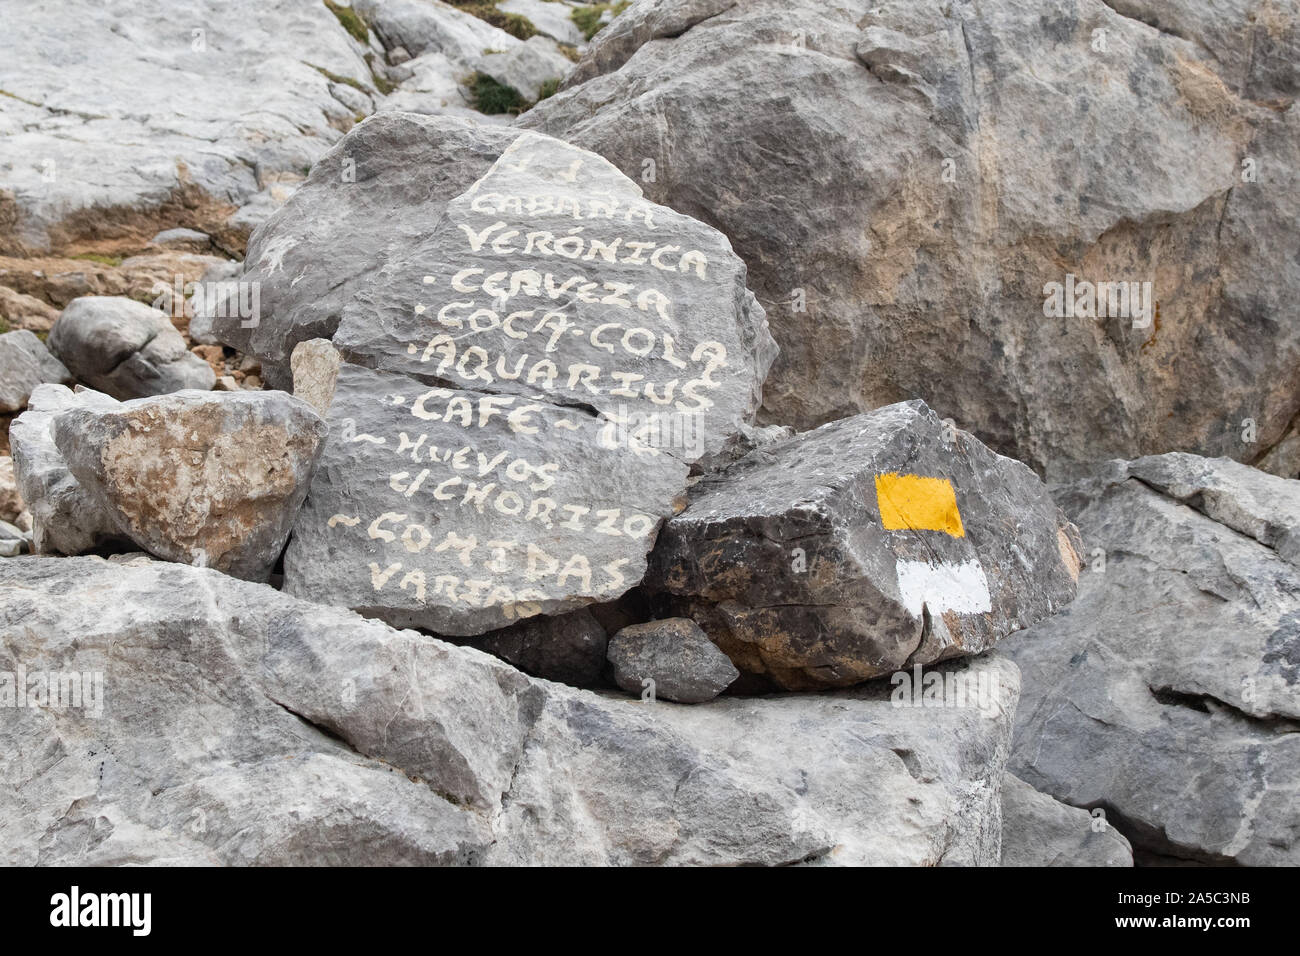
{"points": [[350, 21], [549, 88], [4, 326], [335, 78], [96, 257], [494, 98], [588, 18], [571, 51], [515, 24]]}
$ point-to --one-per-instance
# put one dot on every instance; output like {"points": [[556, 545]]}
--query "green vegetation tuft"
{"points": [[351, 21], [335, 78], [493, 98], [549, 88], [515, 24], [96, 257], [4, 326], [588, 18]]}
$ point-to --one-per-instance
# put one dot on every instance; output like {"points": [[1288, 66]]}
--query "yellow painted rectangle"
{"points": [[918, 503]]}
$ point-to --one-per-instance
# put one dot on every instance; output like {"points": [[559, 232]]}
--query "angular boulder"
{"points": [[671, 658], [125, 349], [523, 390], [1040, 831], [871, 544], [25, 363], [212, 479], [234, 724], [1169, 692], [528, 67], [893, 176], [65, 518]]}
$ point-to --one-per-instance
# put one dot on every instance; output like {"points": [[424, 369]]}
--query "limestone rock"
{"points": [[11, 502], [25, 363], [569, 648], [228, 703], [1040, 831], [373, 196], [528, 67], [125, 349], [163, 129], [867, 545], [676, 656], [552, 18], [893, 176], [315, 367], [205, 478], [65, 519], [463, 512], [1169, 692], [13, 540], [21, 311]]}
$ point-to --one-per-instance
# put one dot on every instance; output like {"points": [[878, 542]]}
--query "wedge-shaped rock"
{"points": [[864, 546], [65, 518], [1169, 693], [206, 478], [1038, 830], [234, 724], [463, 512]]}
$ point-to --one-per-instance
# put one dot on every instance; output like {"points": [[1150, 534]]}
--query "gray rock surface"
{"points": [[510, 426], [65, 518], [675, 656], [372, 197], [528, 67], [865, 546], [13, 540], [212, 479], [25, 363], [552, 18], [224, 703], [904, 180], [187, 111], [1169, 692], [569, 648], [11, 502], [125, 349], [463, 512], [1040, 831]]}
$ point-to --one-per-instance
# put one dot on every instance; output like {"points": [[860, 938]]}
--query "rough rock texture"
{"points": [[569, 648], [165, 113], [210, 479], [674, 654], [904, 180], [225, 703], [1040, 831], [528, 67], [462, 512], [65, 518], [125, 349], [552, 18], [865, 546], [11, 502], [531, 418], [315, 366], [25, 363], [13, 540], [21, 311], [375, 195], [1169, 692]]}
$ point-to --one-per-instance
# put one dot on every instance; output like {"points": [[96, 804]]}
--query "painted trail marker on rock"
{"points": [[522, 394]]}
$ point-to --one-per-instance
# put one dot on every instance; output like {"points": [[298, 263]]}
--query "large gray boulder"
{"points": [[524, 387], [1038, 830], [261, 729], [25, 363], [213, 479], [1169, 692], [125, 349], [905, 180], [66, 519], [868, 545]]}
